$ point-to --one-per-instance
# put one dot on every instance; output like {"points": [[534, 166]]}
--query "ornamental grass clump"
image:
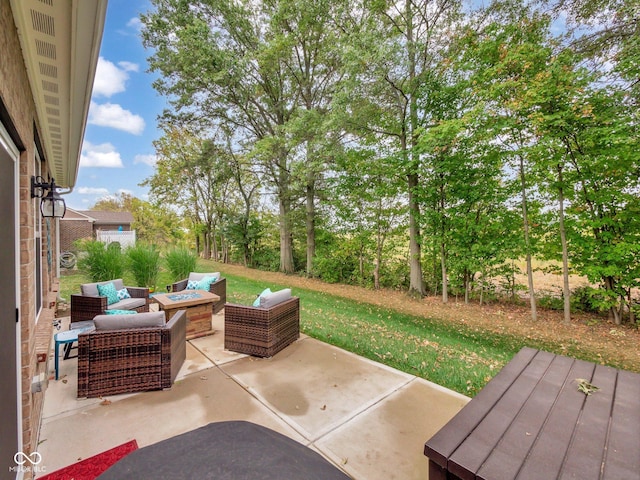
{"points": [[144, 263], [180, 262], [101, 262]]}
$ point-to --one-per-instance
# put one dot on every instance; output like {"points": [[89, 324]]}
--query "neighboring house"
{"points": [[80, 224], [48, 55]]}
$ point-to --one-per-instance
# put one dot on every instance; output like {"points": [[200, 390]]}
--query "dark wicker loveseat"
{"points": [[264, 330], [124, 360], [89, 303], [219, 287]]}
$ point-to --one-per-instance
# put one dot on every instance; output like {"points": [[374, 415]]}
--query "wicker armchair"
{"points": [[131, 359], [260, 331], [86, 305], [219, 287]]}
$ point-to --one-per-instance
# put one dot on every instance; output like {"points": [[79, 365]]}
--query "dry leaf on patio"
{"points": [[105, 402], [585, 387], [323, 407]]}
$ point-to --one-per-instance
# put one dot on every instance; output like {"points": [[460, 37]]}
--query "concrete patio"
{"points": [[368, 419]]}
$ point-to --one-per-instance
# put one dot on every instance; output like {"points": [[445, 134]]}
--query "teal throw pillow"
{"points": [[108, 290], [192, 285], [205, 283], [266, 291], [120, 312], [122, 294]]}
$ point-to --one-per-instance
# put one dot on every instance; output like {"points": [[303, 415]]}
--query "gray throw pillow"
{"points": [[91, 289], [196, 277], [271, 299], [117, 322]]}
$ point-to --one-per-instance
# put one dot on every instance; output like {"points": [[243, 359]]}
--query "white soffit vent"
{"points": [[60, 42]]}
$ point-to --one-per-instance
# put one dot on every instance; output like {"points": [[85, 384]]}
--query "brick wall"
{"points": [[72, 230], [17, 98]]}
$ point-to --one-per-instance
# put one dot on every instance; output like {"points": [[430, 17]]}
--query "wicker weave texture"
{"points": [[86, 307], [130, 360], [218, 287], [262, 332]]}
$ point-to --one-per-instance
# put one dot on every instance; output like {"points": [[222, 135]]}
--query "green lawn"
{"points": [[457, 357], [462, 361]]}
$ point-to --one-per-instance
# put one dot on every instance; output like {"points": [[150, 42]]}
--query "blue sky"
{"points": [[117, 152]]}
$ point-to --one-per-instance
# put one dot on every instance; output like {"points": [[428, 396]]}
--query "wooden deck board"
{"points": [[622, 459], [507, 459], [586, 453], [466, 461], [535, 423], [442, 445]]}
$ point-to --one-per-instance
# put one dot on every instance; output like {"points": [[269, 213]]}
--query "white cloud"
{"points": [[134, 23], [92, 191], [103, 155], [109, 79], [114, 116], [146, 159], [129, 66]]}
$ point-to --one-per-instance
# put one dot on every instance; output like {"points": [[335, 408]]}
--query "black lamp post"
{"points": [[52, 205]]}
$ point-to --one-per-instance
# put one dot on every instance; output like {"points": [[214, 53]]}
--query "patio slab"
{"points": [[382, 442], [314, 386], [208, 396], [370, 420]]}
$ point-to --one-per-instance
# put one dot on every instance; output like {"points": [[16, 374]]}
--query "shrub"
{"points": [[180, 262], [551, 300], [101, 262], [144, 262], [582, 300]]}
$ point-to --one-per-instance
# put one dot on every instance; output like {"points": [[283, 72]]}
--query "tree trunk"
{"points": [[445, 282], [286, 246], [310, 221], [466, 286], [206, 253], [378, 259], [566, 292], [527, 243], [415, 262]]}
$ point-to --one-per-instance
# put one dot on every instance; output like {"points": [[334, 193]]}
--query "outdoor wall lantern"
{"points": [[52, 205]]}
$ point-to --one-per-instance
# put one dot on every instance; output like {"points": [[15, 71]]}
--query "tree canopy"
{"points": [[414, 144]]}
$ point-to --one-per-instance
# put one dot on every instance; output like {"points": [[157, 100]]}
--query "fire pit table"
{"points": [[198, 305]]}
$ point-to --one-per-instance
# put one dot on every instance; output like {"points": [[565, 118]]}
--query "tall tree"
{"points": [[389, 56], [511, 52], [218, 67], [306, 34]]}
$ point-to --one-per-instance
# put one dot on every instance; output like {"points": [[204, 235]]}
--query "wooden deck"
{"points": [[532, 421]]}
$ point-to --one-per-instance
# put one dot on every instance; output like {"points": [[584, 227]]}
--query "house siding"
{"points": [[17, 98]]}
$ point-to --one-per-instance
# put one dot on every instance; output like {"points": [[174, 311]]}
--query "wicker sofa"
{"points": [[89, 303], [114, 360], [219, 287], [263, 330]]}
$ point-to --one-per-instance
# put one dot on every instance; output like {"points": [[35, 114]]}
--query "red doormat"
{"points": [[90, 468]]}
